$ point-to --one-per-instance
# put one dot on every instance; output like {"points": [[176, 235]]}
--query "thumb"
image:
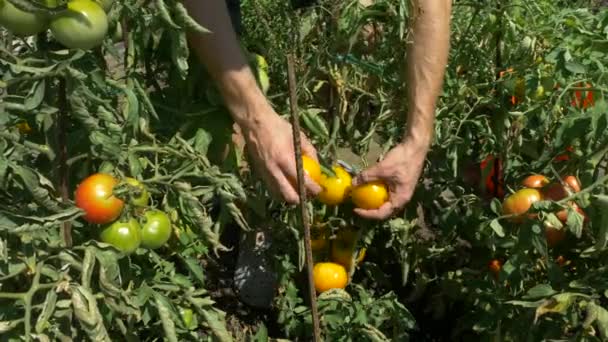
{"points": [[372, 174]]}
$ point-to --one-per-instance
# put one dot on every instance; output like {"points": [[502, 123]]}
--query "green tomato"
{"points": [[82, 26], [142, 199], [156, 231], [124, 236], [21, 23], [188, 317]]}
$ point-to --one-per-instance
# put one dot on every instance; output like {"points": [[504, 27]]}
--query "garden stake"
{"points": [[302, 193]]}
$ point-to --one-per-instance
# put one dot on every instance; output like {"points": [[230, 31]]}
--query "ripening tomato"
{"points": [[156, 229], [557, 191], [82, 26], [582, 98], [123, 235], [94, 196], [329, 275], [140, 199], [21, 23], [494, 181], [495, 266], [371, 195], [311, 168], [535, 181], [335, 189], [520, 202], [343, 247]]}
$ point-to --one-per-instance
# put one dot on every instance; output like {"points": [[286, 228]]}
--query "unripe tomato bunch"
{"points": [[150, 229], [538, 187], [83, 24], [343, 254]]}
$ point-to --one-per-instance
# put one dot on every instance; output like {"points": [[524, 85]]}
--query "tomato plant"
{"points": [[95, 196], [535, 181]]}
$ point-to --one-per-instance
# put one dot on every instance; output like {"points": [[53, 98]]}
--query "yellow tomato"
{"points": [[335, 189], [329, 275], [311, 168], [370, 195]]}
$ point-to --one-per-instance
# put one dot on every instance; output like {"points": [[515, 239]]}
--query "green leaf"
{"points": [[575, 68], [497, 228], [164, 308], [539, 291]]}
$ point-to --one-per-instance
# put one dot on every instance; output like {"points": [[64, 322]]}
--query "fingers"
{"points": [[308, 148], [284, 187], [369, 175], [382, 213], [289, 169]]}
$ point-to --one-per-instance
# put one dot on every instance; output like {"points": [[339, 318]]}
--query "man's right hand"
{"points": [[269, 141]]}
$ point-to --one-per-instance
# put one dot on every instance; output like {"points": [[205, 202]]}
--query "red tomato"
{"points": [[554, 236], [94, 196], [582, 98], [494, 181], [556, 191], [495, 266], [564, 156]]}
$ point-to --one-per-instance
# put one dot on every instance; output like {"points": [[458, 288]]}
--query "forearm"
{"points": [[221, 54], [427, 59]]}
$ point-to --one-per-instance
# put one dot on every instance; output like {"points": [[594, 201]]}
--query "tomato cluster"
{"points": [[335, 257], [538, 187], [338, 188], [82, 25], [95, 196]]}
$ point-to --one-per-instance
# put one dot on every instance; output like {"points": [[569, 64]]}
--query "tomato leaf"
{"points": [[497, 228], [539, 291]]}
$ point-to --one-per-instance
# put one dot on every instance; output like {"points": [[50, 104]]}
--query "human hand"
{"points": [[399, 170], [270, 145]]}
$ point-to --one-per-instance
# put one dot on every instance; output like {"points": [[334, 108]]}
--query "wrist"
{"points": [[419, 131], [244, 99]]}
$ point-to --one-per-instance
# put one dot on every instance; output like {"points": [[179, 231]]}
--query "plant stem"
{"points": [[302, 194], [66, 229]]}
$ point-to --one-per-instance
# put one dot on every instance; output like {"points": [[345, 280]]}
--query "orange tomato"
{"points": [[329, 275], [535, 181], [94, 196], [335, 189], [371, 195], [520, 202]]}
